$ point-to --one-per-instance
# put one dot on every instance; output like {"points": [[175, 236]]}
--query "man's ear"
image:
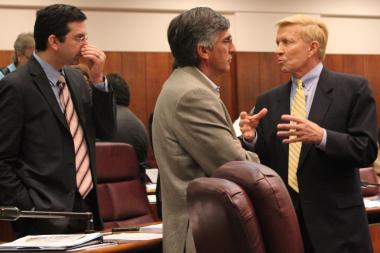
{"points": [[203, 52], [314, 48], [53, 41]]}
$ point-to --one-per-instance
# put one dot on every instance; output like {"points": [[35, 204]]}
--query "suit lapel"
{"points": [[283, 107], [41, 81], [320, 106]]}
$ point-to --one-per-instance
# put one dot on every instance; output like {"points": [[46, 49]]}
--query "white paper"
{"points": [[156, 228], [152, 199], [151, 188], [51, 242], [131, 237], [371, 203], [152, 174]]}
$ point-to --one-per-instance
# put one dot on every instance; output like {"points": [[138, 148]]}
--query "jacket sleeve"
{"points": [[13, 191], [204, 131], [357, 145]]}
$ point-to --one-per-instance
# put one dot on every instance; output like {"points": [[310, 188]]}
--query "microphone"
{"points": [[366, 184], [13, 213]]}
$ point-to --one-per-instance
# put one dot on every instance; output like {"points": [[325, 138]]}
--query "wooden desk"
{"points": [[374, 230], [149, 246]]}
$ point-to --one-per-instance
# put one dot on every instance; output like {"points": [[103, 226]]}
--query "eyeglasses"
{"points": [[80, 38], [227, 41]]}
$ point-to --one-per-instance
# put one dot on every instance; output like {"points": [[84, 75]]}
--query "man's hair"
{"points": [[23, 42], [313, 30], [54, 19], [120, 88], [198, 26]]}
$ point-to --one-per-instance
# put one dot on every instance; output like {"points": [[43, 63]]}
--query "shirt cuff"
{"points": [[322, 145], [253, 142], [102, 86]]}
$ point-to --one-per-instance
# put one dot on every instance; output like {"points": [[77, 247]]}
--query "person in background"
{"points": [[23, 50], [316, 131], [130, 129], [192, 130], [49, 123]]}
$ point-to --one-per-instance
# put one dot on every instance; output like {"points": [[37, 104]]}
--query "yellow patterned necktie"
{"points": [[298, 108]]}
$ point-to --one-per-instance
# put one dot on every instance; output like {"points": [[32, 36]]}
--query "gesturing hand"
{"points": [[249, 123], [299, 129]]}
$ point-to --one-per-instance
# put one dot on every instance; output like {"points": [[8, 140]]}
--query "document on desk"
{"points": [[155, 228], [131, 237], [52, 242], [369, 203]]}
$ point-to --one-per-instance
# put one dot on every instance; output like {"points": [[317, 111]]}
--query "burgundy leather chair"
{"points": [[122, 196], [268, 212], [368, 175], [271, 200], [222, 217]]}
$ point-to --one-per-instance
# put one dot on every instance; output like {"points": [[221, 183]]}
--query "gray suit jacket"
{"points": [[192, 136]]}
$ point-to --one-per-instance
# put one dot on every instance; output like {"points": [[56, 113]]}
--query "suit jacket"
{"points": [[330, 195], [37, 160], [192, 136]]}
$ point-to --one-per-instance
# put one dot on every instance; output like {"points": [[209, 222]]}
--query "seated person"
{"points": [[130, 129]]}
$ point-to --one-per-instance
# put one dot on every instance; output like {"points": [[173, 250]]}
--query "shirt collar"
{"points": [[214, 86], [309, 76], [51, 73]]}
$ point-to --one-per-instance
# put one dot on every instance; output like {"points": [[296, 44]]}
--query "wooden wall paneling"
{"points": [[270, 73], [247, 79], [5, 58], [371, 72], [353, 64], [228, 91], [334, 62], [113, 63], [158, 69], [134, 71]]}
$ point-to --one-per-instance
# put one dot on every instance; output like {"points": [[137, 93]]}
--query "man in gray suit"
{"points": [[192, 131]]}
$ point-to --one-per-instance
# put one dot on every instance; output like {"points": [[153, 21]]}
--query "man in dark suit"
{"points": [[49, 122], [336, 136]]}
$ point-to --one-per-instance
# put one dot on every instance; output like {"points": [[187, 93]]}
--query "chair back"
{"points": [[369, 175], [222, 217], [122, 196], [271, 200]]}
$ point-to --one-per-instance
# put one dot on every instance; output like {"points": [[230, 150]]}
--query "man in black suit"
{"points": [[337, 136], [45, 138]]}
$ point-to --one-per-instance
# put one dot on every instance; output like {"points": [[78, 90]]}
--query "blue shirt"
{"points": [[53, 75]]}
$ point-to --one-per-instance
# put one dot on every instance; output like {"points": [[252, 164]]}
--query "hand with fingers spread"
{"points": [[97, 60], [248, 123], [299, 129]]}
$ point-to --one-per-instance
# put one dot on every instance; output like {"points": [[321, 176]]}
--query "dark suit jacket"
{"points": [[330, 194], [37, 160]]}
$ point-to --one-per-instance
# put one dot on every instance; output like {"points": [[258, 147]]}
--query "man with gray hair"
{"points": [[23, 49], [192, 131]]}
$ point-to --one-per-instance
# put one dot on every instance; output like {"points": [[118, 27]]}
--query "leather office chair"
{"points": [[273, 205], [368, 175], [222, 217], [270, 199], [370, 192], [122, 196]]}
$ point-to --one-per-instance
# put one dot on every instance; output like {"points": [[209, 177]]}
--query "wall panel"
{"points": [[252, 73]]}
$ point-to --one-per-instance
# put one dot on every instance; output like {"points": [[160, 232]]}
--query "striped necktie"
{"points": [[82, 160], [298, 108]]}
